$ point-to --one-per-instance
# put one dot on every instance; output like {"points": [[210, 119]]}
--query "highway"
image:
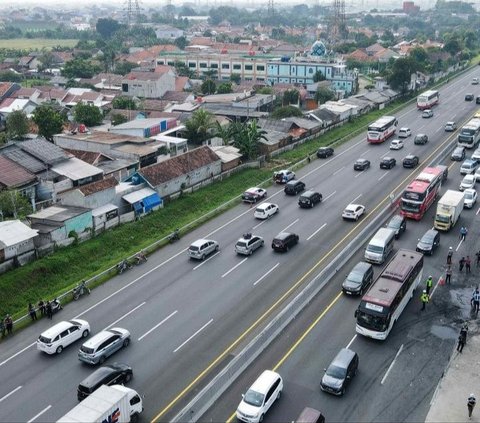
{"points": [[185, 315]]}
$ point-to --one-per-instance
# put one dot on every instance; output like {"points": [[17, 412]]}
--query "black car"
{"points": [[410, 161], [361, 164], [429, 242], [398, 224], [324, 152], [469, 97], [294, 187], [477, 100], [340, 372], [458, 154], [113, 374], [359, 279], [284, 241], [387, 163], [420, 139], [309, 198]]}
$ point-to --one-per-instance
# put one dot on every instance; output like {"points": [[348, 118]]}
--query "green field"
{"points": [[35, 43]]}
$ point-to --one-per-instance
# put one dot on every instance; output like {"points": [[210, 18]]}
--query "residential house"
{"points": [[229, 155], [10, 105], [167, 32], [149, 84], [7, 89], [15, 177], [145, 128], [16, 243]]}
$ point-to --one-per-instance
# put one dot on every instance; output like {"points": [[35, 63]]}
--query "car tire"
{"points": [[250, 252], [217, 248], [342, 392], [260, 420], [311, 205], [356, 218], [279, 394], [268, 217], [59, 349], [85, 333], [203, 257], [102, 359], [128, 377], [126, 342], [287, 248]]}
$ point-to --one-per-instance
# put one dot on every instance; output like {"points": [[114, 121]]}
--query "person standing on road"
{"points": [[49, 310], [9, 324], [32, 312], [2, 328], [461, 263], [475, 301], [477, 255], [462, 338], [463, 233], [450, 255], [41, 307], [468, 262], [471, 401], [428, 284], [424, 298], [448, 274]]}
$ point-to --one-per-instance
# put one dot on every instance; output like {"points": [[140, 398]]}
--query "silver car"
{"points": [[202, 248], [103, 344], [248, 244]]}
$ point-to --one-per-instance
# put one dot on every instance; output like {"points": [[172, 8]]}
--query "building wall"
{"points": [[151, 88], [18, 249], [93, 201], [79, 223]]}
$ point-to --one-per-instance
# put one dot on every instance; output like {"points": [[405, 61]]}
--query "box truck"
{"points": [[449, 208], [108, 404]]}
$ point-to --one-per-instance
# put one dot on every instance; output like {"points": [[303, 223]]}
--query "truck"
{"points": [[108, 404], [449, 208]]}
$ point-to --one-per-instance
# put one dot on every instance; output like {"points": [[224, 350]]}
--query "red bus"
{"points": [[381, 129], [421, 193], [428, 99]]}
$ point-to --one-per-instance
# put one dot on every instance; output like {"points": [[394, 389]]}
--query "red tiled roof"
{"points": [[98, 186], [4, 87], [180, 82], [12, 175], [89, 157], [179, 165], [7, 102], [24, 92]]}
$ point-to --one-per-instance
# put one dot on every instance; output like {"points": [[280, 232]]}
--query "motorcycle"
{"points": [[79, 290], [140, 258], [122, 266], [175, 236], [56, 306]]}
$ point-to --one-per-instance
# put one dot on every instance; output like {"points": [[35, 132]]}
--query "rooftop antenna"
{"points": [[133, 11]]}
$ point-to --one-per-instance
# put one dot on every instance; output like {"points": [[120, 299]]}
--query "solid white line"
{"points": [[234, 267], [365, 152], [266, 274], [318, 230], [355, 199], [291, 224], [383, 176], [438, 129], [391, 365], [338, 170], [459, 244], [125, 315], [195, 334], [360, 173], [39, 414], [435, 287], [478, 211], [18, 353], [204, 261], [328, 196], [261, 223], [11, 393], [388, 153], [157, 325], [351, 341]]}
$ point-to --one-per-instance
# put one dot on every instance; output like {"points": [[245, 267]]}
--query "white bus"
{"points": [[381, 129], [428, 99], [384, 302], [469, 135]]}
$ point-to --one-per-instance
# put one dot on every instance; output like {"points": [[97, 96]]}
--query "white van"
{"points": [[380, 246], [260, 397], [55, 339]]}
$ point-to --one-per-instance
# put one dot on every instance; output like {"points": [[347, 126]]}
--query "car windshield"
{"points": [[374, 249], [355, 276], [253, 398], [410, 207], [336, 372], [427, 239], [442, 218], [468, 195]]}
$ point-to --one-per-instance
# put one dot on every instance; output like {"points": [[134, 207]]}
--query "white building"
{"points": [[149, 84]]}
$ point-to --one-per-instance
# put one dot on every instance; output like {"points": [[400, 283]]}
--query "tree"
{"points": [[13, 204], [286, 111], [48, 120], [208, 87], [224, 88], [246, 139], [183, 70], [79, 68], [10, 76], [453, 46], [118, 118], [226, 132], [210, 73], [400, 75], [123, 102], [235, 77], [87, 114], [181, 42], [122, 68], [17, 125], [106, 27], [324, 94], [290, 97], [318, 76], [47, 60], [199, 126]]}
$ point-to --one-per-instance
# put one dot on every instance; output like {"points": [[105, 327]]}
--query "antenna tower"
{"points": [[133, 11], [270, 9], [338, 26]]}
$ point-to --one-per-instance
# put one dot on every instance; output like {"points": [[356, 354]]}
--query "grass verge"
{"points": [[35, 43]]}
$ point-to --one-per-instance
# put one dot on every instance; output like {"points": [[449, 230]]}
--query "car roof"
{"points": [[361, 266], [200, 242], [470, 191], [460, 148], [264, 205], [101, 373], [430, 233], [397, 217], [283, 235], [101, 336], [343, 357], [404, 128], [353, 206], [56, 329], [387, 158], [410, 156], [450, 122], [309, 193], [420, 135], [253, 189], [361, 159], [468, 161], [264, 381]]}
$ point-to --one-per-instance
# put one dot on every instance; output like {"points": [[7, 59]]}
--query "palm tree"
{"points": [[199, 126], [247, 137]]}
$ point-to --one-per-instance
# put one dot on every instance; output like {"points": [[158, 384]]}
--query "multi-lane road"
{"points": [[185, 315]]}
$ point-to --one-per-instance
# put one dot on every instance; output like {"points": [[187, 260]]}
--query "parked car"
{"points": [[427, 113], [469, 97], [404, 132], [294, 187], [309, 198], [359, 279], [61, 335], [248, 243], [201, 248], [458, 154], [112, 374], [450, 126], [410, 161], [396, 144], [429, 242], [265, 211], [324, 152], [353, 212], [361, 164], [468, 181], [420, 139], [340, 372], [388, 163], [470, 198], [252, 195], [284, 241], [103, 345], [283, 176], [398, 224]]}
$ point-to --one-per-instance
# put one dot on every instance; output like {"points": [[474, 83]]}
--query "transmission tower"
{"points": [[133, 11], [270, 9], [338, 27]]}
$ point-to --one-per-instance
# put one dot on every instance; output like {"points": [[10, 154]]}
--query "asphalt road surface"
{"points": [[185, 315]]}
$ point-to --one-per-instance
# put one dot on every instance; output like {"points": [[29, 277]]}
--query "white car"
{"points": [[353, 211], [283, 176], [201, 248], [265, 211], [477, 175], [467, 182], [248, 243], [450, 126], [470, 198], [476, 154], [55, 339], [396, 145], [252, 195], [404, 132]]}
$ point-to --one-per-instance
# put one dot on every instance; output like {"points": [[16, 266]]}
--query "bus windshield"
{"points": [[369, 321], [414, 196], [410, 207]]}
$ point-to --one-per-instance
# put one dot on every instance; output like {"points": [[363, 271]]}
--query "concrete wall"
{"points": [[79, 223], [151, 89], [93, 201]]}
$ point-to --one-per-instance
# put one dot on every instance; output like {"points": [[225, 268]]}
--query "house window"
{"points": [[192, 65], [260, 68], [214, 65], [171, 63], [225, 66], [203, 65], [248, 67], [125, 88], [237, 67]]}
